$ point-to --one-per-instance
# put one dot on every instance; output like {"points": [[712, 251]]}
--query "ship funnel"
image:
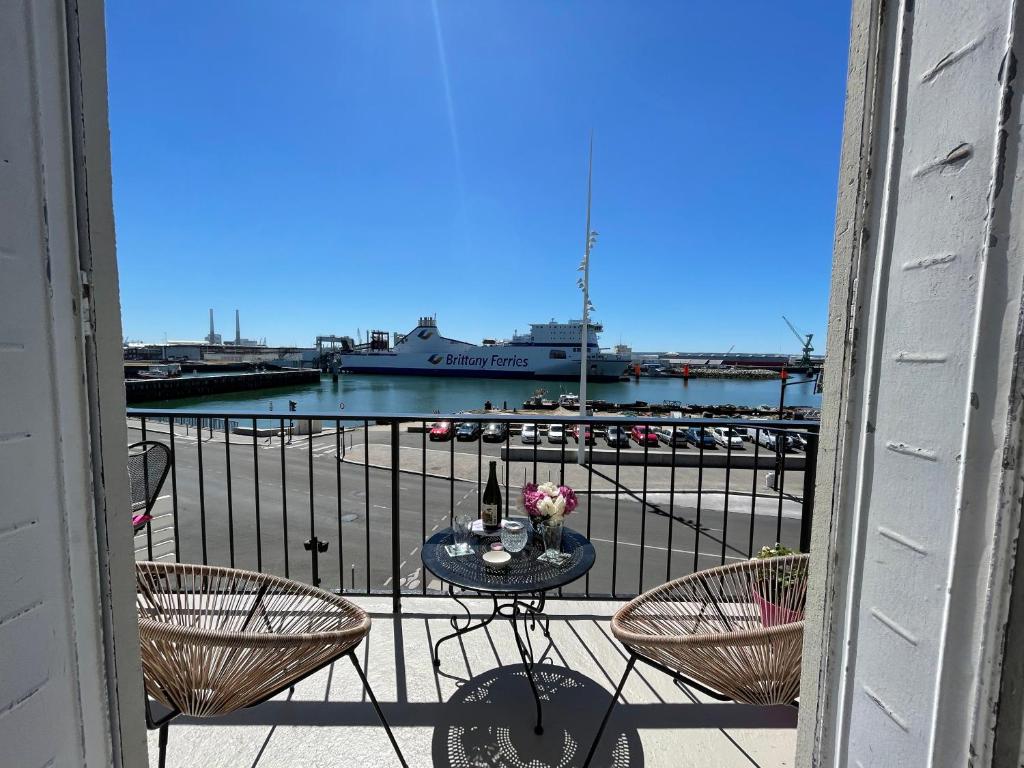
{"points": [[428, 322]]}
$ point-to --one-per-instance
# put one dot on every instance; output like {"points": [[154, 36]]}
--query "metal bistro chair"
{"points": [[734, 632], [147, 469], [215, 640]]}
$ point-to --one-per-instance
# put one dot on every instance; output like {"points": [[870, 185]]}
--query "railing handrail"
{"points": [[386, 417]]}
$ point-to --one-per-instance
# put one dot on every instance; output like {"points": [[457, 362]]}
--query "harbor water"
{"points": [[428, 394]]}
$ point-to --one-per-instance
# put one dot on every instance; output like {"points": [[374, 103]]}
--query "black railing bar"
{"points": [[338, 438], [396, 479], [202, 494], [643, 509], [284, 502], [174, 492], [590, 493], [753, 492], [314, 551], [615, 524], [671, 508], [366, 492], [725, 509], [451, 478], [780, 480], [479, 471], [256, 494], [700, 492], [231, 507], [145, 475], [423, 505], [536, 441]]}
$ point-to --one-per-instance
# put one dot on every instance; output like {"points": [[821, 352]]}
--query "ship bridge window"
{"points": [[557, 354]]}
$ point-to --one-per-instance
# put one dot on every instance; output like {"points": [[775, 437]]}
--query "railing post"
{"points": [[807, 504], [396, 587]]}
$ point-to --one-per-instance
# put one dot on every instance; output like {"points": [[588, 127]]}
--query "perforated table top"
{"points": [[524, 574]]}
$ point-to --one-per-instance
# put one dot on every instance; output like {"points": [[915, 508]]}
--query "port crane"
{"points": [[805, 343]]}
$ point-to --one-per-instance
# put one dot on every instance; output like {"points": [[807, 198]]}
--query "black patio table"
{"points": [[517, 590]]}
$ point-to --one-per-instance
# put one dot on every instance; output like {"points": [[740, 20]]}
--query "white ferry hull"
{"points": [[424, 352]]}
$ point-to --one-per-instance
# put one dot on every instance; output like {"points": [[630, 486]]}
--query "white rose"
{"points": [[559, 504], [546, 506], [549, 489]]}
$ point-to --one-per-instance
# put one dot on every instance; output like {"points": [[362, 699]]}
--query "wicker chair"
{"points": [[733, 632], [215, 640], [148, 464]]}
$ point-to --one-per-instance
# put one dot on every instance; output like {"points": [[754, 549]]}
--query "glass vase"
{"points": [[551, 535]]}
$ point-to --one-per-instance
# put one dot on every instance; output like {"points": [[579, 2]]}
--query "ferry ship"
{"points": [[548, 351]]}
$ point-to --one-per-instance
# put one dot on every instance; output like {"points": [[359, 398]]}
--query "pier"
{"points": [[145, 390]]}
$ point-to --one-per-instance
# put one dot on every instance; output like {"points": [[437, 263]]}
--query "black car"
{"points": [[495, 432], [467, 430], [616, 437]]}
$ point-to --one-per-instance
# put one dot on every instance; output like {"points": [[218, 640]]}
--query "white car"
{"points": [[774, 439], [727, 436], [529, 434], [556, 433]]}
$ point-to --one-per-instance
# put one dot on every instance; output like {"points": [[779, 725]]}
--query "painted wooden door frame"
{"points": [[983, 50]]}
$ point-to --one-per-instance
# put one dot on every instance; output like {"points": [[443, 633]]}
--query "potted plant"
{"points": [[779, 589]]}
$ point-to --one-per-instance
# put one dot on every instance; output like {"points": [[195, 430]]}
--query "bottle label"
{"points": [[489, 514]]}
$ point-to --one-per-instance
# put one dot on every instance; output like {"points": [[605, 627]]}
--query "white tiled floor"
{"points": [[476, 710]]}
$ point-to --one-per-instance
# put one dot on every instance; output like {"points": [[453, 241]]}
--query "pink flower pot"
{"points": [[772, 615]]}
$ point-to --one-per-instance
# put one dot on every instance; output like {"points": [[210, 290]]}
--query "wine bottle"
{"points": [[490, 510]]}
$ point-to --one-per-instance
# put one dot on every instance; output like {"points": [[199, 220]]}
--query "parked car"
{"points": [[797, 441], [775, 439], [441, 430], [529, 434], [495, 432], [588, 433], [644, 435], [467, 430], [666, 435], [556, 433], [727, 437], [616, 437], [701, 437]]}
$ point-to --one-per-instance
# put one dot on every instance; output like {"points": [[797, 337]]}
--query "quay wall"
{"points": [[143, 390]]}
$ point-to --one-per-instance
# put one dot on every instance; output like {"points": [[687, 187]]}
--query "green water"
{"points": [[427, 394]]}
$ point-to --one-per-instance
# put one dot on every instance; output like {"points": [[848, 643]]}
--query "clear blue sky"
{"points": [[328, 166]]}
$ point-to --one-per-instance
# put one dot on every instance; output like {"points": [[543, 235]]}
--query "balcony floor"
{"points": [[447, 717]]}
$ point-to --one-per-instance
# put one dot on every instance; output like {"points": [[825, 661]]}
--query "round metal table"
{"points": [[517, 590]]}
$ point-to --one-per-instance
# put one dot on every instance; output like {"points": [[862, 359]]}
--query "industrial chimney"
{"points": [[238, 330]]}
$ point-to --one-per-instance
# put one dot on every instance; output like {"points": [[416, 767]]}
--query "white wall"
{"points": [[69, 693], [918, 499]]}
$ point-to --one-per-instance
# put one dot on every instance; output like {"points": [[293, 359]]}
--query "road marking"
{"points": [[414, 551]]}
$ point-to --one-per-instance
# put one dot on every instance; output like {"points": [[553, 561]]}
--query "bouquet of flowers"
{"points": [[547, 502]]}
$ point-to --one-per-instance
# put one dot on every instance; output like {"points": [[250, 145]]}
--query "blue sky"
{"points": [[327, 166]]}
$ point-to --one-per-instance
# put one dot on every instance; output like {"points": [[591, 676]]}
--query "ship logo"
{"points": [[435, 359], [425, 334]]}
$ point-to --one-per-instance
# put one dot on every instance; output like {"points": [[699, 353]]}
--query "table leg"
{"points": [[469, 626], [529, 613]]}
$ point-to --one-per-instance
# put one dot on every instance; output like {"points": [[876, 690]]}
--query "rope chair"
{"points": [[215, 640], [148, 464], [734, 632]]}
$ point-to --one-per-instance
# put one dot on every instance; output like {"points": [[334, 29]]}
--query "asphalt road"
{"points": [[254, 506]]}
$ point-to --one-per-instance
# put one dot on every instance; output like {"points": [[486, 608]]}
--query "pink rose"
{"points": [[531, 496], [569, 495]]}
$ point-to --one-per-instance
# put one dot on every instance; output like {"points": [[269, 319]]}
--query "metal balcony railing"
{"points": [[345, 501]]}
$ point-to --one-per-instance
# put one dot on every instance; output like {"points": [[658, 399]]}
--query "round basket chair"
{"points": [[215, 640], [733, 632]]}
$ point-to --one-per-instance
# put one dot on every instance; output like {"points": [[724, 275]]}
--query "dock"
{"points": [[146, 390]]}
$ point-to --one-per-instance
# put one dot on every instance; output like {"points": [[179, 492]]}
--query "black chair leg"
{"points": [[607, 714], [162, 760], [376, 706]]}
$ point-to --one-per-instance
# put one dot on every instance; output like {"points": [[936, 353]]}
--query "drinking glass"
{"points": [[513, 536], [461, 524]]}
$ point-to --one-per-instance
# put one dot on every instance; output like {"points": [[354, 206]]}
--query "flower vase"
{"points": [[551, 535]]}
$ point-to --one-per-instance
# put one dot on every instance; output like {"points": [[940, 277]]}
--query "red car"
{"points": [[644, 435], [588, 435], [441, 430]]}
